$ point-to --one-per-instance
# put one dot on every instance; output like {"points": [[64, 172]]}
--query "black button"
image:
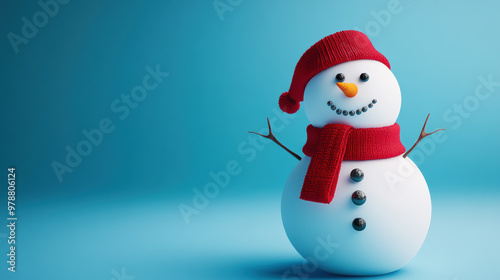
{"points": [[358, 197], [359, 224], [340, 77], [364, 77], [357, 175]]}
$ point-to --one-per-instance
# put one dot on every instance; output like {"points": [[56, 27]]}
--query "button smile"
{"points": [[363, 109]]}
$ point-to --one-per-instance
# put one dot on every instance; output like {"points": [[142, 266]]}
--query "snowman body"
{"points": [[397, 212], [397, 209]]}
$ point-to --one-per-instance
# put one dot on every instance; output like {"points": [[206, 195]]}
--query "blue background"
{"points": [[117, 213]]}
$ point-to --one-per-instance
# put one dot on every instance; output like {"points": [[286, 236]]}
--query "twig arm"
{"points": [[273, 138], [423, 134]]}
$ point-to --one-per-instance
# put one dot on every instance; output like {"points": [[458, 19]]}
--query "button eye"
{"points": [[340, 77], [364, 77]]}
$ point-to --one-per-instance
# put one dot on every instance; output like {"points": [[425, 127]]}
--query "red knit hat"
{"points": [[334, 49]]}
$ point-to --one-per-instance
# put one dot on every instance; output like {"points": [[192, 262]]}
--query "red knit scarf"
{"points": [[329, 145]]}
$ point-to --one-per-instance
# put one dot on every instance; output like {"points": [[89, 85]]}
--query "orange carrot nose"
{"points": [[349, 89]]}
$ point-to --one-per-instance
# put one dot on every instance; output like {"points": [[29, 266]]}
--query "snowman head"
{"points": [[344, 79], [360, 93]]}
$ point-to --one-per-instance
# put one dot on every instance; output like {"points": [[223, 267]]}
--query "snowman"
{"points": [[355, 204]]}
